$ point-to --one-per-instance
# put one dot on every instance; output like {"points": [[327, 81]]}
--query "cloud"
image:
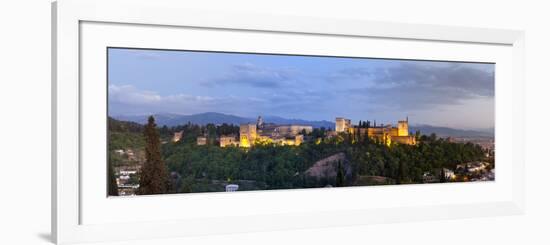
{"points": [[127, 99], [128, 94], [386, 90], [149, 55], [254, 76], [413, 85]]}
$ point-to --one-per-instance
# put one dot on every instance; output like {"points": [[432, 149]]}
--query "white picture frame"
{"points": [[70, 198]]}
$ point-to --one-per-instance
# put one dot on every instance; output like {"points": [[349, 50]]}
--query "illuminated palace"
{"points": [[266, 133], [251, 134], [382, 133]]}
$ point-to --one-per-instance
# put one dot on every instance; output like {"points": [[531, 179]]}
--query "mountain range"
{"points": [[451, 132], [219, 118]]}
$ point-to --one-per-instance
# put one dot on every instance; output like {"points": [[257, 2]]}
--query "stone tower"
{"points": [[403, 128], [247, 134], [260, 122]]}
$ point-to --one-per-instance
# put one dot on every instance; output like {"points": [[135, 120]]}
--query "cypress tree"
{"points": [[154, 176], [111, 184], [400, 173], [340, 175]]}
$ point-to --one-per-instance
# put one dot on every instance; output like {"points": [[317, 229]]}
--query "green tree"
{"points": [[154, 175], [417, 135], [400, 173], [111, 185], [340, 175]]}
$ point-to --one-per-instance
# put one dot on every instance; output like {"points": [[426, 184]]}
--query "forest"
{"points": [[205, 168]]}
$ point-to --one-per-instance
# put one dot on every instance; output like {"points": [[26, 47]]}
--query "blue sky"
{"points": [[452, 94]]}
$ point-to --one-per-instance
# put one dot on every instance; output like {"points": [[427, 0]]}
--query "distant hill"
{"points": [[450, 132], [315, 124], [220, 118], [124, 126], [175, 119], [216, 118]]}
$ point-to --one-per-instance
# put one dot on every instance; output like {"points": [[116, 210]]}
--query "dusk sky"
{"points": [[451, 94]]}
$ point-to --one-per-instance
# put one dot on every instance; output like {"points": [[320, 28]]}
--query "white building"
{"points": [[127, 172], [449, 174], [231, 188], [177, 136], [228, 140], [201, 140], [476, 166], [342, 124]]}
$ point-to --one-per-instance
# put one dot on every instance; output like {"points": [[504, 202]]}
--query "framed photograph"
{"points": [[175, 122]]}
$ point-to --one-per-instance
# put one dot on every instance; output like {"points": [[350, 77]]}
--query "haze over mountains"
{"points": [[220, 118], [217, 118], [451, 132]]}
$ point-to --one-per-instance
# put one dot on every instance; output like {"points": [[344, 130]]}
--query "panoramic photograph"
{"points": [[205, 121]]}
